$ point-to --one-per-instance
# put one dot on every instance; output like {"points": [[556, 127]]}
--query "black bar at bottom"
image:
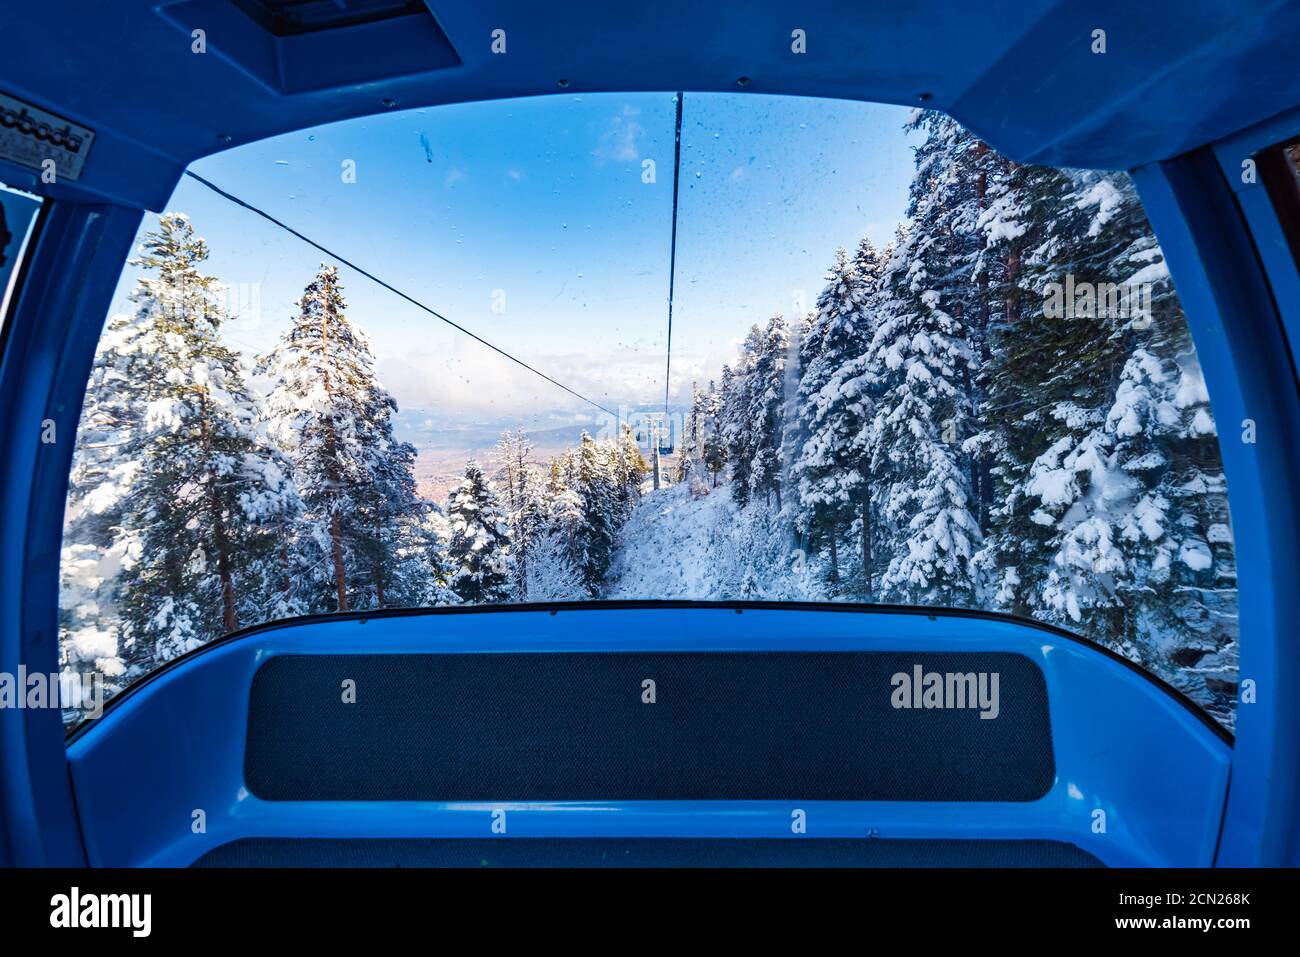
{"points": [[670, 906]]}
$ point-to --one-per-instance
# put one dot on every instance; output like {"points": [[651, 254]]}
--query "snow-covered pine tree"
{"points": [[551, 575], [334, 421], [974, 171], [1197, 633], [479, 546], [690, 461], [766, 413], [111, 416], [95, 540], [1114, 515], [713, 446], [630, 470], [562, 506], [599, 517], [1177, 538], [208, 495], [793, 426], [1094, 501], [921, 350], [390, 541], [737, 429], [834, 407], [523, 503], [552, 572], [1032, 391], [420, 571]]}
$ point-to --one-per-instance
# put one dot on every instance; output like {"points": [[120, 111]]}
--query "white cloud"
{"points": [[620, 141], [467, 379]]}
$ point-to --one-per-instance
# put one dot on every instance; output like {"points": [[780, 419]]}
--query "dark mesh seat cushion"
{"points": [[797, 726]]}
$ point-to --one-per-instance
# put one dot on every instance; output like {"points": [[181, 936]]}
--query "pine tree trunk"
{"points": [[336, 520], [835, 554], [522, 560], [229, 620], [521, 544], [1013, 295], [982, 480], [866, 542], [1012, 274], [336, 549], [221, 541]]}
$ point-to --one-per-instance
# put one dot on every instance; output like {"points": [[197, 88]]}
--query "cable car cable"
{"points": [[397, 292], [672, 254]]}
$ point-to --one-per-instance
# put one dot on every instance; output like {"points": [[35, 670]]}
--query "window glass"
{"points": [[17, 221], [903, 370], [1279, 169], [1293, 159]]}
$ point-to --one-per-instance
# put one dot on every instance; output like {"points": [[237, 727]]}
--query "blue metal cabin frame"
{"points": [[1190, 90], [1161, 786]]}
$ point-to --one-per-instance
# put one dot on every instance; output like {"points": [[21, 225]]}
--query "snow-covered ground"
{"points": [[693, 542], [670, 546]]}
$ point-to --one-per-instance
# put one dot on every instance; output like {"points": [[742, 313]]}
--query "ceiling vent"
{"points": [[308, 46], [291, 18]]}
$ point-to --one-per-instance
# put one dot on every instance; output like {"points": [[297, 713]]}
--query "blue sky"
{"points": [[540, 204]]}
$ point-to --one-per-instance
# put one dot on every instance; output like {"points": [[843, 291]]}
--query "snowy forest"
{"points": [[211, 491], [1001, 409]]}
